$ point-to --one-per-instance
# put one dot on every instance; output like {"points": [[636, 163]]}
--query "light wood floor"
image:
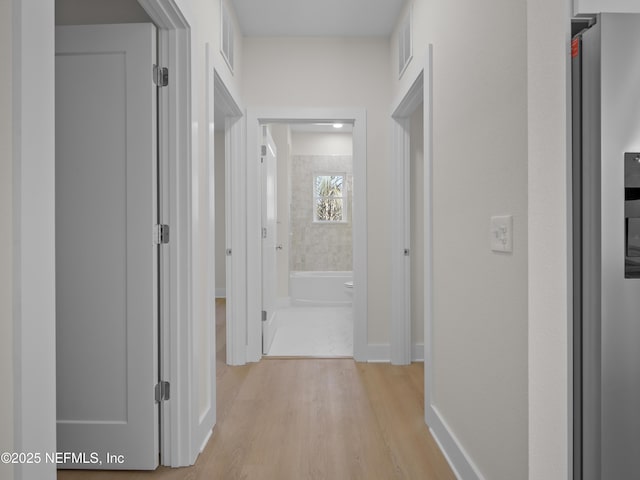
{"points": [[310, 419]]}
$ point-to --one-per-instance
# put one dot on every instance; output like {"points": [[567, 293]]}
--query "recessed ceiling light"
{"points": [[337, 125]]}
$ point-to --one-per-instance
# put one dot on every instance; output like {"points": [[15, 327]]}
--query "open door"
{"points": [[269, 232], [106, 247]]}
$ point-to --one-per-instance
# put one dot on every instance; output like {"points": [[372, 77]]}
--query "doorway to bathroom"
{"points": [[307, 242], [310, 266]]}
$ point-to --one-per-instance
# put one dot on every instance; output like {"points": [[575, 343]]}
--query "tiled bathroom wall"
{"points": [[319, 246]]}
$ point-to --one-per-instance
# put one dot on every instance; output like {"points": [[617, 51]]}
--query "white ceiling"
{"points": [[352, 18]]}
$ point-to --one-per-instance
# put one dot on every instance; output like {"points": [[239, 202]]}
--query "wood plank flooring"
{"points": [[293, 419]]}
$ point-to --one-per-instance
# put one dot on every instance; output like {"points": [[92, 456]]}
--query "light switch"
{"points": [[501, 233]]}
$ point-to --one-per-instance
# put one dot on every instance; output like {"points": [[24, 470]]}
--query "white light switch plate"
{"points": [[501, 233]]}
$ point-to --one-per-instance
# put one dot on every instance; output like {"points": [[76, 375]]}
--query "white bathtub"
{"points": [[319, 288]]}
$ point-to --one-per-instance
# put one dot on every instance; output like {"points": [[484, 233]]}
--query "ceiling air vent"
{"points": [[227, 34], [404, 43]]}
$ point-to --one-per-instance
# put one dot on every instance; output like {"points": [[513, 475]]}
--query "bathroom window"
{"points": [[329, 198]]}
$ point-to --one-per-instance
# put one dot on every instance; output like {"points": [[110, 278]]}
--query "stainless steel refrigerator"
{"points": [[605, 55]]}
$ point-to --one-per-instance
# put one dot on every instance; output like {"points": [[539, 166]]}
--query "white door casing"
{"points": [[202, 273], [400, 347], [106, 256], [189, 349], [235, 261], [269, 240], [255, 119], [35, 322]]}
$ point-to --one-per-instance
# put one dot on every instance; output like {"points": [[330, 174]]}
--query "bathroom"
{"points": [[314, 223], [314, 248]]}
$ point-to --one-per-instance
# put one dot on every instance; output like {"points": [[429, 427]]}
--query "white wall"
{"points": [[336, 72], [417, 231], [612, 6], [204, 19], [548, 34], [307, 143], [479, 344], [207, 14], [80, 12], [34, 233], [220, 246], [421, 37], [6, 241]]}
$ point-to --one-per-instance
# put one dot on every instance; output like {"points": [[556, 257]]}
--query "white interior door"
{"points": [[106, 257], [269, 240]]}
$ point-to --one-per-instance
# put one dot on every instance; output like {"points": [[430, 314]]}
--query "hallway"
{"points": [[303, 419]]}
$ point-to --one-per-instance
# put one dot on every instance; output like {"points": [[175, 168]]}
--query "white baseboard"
{"points": [[378, 353], [417, 352], [381, 353], [206, 440], [221, 293], [460, 462]]}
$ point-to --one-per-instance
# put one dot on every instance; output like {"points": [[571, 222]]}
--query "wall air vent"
{"points": [[405, 50], [227, 34]]}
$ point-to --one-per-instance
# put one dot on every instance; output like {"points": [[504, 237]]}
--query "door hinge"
{"points": [[163, 391], [264, 315], [160, 76], [264, 232], [161, 234], [263, 150]]}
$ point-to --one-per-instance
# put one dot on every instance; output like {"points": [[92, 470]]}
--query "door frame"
{"points": [[400, 170], [268, 236], [178, 424], [420, 91], [256, 118], [34, 269], [234, 230], [33, 218]]}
